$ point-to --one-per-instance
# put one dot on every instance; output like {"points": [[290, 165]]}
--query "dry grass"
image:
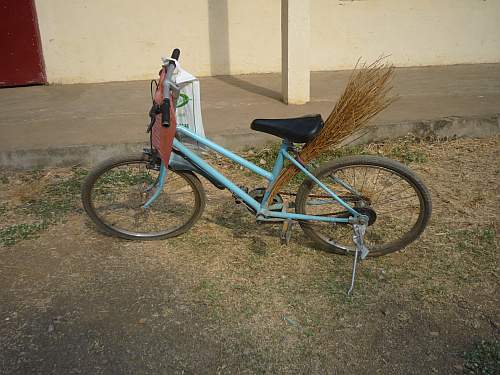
{"points": [[34, 200], [227, 298]]}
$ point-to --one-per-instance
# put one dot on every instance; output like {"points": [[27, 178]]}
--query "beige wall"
{"points": [[413, 32], [107, 40]]}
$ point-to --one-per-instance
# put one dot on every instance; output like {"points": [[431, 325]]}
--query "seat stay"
{"points": [[308, 174]]}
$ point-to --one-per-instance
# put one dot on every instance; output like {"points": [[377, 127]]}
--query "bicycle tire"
{"points": [[108, 228], [424, 198]]}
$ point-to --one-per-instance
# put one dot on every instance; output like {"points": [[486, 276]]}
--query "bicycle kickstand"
{"points": [[361, 251]]}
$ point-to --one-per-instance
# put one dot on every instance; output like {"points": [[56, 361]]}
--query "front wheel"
{"points": [[396, 202], [115, 192]]}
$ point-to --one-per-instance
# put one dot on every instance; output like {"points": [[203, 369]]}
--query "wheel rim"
{"points": [[119, 193], [395, 199]]}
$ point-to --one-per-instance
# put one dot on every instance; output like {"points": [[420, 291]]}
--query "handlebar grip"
{"points": [[176, 53], [165, 112]]}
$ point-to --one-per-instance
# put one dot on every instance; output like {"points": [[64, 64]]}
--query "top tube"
{"points": [[230, 155]]}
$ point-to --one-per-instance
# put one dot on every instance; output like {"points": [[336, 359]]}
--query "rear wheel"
{"points": [[115, 192], [396, 202]]}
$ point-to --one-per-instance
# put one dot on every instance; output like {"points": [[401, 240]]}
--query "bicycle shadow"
{"points": [[242, 224]]}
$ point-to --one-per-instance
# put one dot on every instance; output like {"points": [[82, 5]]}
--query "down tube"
{"points": [[200, 163]]}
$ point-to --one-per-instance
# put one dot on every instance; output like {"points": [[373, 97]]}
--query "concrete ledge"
{"points": [[65, 156], [449, 127]]}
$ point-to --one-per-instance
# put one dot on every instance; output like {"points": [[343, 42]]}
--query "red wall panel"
{"points": [[21, 60]]}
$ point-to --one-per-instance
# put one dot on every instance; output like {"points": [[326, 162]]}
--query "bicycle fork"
{"points": [[361, 251], [158, 185]]}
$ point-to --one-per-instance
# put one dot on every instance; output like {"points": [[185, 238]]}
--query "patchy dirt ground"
{"points": [[227, 298]]}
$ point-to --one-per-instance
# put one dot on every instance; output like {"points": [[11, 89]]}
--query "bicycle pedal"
{"points": [[286, 232], [286, 229]]}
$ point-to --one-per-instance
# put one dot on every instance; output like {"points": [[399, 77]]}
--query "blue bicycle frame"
{"points": [[261, 208]]}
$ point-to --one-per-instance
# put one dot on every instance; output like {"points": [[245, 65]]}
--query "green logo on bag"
{"points": [[182, 101]]}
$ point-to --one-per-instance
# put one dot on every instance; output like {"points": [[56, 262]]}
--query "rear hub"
{"points": [[369, 212]]}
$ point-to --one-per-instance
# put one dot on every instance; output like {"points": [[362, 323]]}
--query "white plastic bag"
{"points": [[188, 107]]}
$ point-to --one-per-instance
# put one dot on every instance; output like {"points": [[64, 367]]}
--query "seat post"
{"points": [[291, 146], [286, 145]]}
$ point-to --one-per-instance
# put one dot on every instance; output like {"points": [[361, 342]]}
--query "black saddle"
{"points": [[296, 130]]}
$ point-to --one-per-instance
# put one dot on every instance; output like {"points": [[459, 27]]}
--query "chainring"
{"points": [[258, 195]]}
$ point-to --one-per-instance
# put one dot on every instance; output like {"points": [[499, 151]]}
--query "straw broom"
{"points": [[365, 95]]}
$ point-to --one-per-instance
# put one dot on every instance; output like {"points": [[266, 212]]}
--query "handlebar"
{"points": [[176, 53], [165, 106]]}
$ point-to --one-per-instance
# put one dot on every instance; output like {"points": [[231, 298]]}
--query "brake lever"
{"points": [[155, 109]]}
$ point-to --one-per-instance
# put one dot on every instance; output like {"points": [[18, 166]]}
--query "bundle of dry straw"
{"points": [[365, 95]]}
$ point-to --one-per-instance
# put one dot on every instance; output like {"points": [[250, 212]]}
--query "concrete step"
{"points": [[68, 124], [88, 155]]}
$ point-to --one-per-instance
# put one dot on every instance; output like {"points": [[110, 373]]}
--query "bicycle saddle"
{"points": [[296, 130]]}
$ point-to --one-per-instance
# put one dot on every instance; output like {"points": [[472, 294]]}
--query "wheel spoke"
{"points": [[397, 200], [397, 209], [364, 179]]}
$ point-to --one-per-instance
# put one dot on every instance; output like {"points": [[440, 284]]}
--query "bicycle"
{"points": [[358, 205]]}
